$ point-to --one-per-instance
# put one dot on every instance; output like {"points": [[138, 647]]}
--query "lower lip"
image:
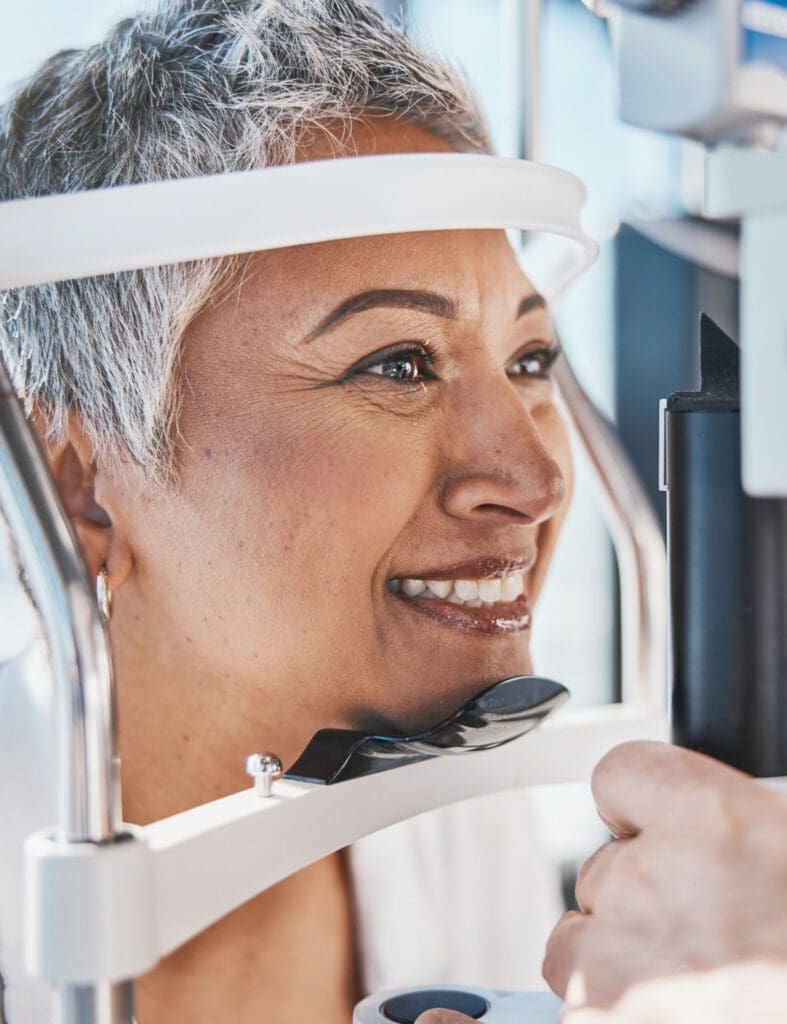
{"points": [[492, 620]]}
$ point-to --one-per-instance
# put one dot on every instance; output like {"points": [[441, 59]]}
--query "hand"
{"points": [[684, 912]]}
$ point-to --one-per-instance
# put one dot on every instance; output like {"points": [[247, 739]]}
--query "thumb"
{"points": [[444, 1017]]}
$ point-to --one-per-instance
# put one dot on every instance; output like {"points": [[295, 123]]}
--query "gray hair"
{"points": [[192, 87]]}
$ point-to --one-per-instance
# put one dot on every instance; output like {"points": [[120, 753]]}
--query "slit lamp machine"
{"points": [[104, 900]]}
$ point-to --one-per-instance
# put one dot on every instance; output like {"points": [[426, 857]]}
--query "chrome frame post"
{"points": [[638, 543], [87, 765]]}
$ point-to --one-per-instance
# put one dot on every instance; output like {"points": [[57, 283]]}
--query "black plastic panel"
{"points": [[728, 578]]}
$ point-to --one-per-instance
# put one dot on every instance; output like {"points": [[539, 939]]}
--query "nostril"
{"points": [[497, 498], [503, 512]]}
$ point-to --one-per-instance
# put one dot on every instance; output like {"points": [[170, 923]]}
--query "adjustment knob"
{"points": [[264, 769], [408, 1006]]}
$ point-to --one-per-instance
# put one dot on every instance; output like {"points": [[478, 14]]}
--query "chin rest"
{"points": [[500, 713]]}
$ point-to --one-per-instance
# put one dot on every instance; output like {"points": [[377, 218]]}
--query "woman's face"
{"points": [[356, 415]]}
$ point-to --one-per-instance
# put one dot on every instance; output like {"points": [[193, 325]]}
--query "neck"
{"points": [[287, 955], [185, 732]]}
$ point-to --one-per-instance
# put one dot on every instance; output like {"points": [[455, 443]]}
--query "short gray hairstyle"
{"points": [[191, 87]]}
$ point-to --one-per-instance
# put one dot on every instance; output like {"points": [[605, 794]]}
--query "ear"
{"points": [[73, 466]]}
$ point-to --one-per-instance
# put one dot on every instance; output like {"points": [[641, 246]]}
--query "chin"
{"points": [[421, 707]]}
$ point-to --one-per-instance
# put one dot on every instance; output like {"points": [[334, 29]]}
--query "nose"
{"points": [[509, 477]]}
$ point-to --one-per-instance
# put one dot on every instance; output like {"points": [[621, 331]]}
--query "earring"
{"points": [[103, 595]]}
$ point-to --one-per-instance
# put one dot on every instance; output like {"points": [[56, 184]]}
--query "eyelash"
{"points": [[404, 352], [548, 355], [401, 353]]}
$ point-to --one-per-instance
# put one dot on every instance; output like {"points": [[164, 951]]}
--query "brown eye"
{"points": [[407, 364], [535, 363], [408, 368]]}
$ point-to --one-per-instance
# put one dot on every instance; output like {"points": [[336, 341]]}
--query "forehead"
{"points": [[476, 269], [473, 268], [461, 264]]}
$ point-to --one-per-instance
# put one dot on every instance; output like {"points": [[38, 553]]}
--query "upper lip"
{"points": [[489, 567]]}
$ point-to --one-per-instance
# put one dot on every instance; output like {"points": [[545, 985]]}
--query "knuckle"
{"points": [[722, 810], [549, 968], [590, 872], [635, 866], [625, 756], [556, 942], [607, 886], [550, 950], [561, 951]]}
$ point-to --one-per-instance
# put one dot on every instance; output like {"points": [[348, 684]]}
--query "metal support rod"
{"points": [[520, 45], [89, 808], [638, 543], [530, 125], [630, 519], [101, 1002]]}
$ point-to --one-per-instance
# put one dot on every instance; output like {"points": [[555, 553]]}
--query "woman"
{"points": [[324, 483]]}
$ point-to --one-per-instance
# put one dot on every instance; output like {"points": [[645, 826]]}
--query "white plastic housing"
{"points": [[504, 1007], [111, 911], [689, 73], [82, 234]]}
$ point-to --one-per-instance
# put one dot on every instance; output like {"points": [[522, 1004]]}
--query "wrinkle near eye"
{"points": [[388, 396]]}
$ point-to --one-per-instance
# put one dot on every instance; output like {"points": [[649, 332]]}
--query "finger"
{"points": [[639, 783], [594, 871], [561, 951], [443, 1017]]}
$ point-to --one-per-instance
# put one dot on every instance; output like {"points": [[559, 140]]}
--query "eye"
{"points": [[535, 363], [410, 365]]}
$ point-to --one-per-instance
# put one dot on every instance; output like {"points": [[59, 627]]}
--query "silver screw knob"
{"points": [[264, 769]]}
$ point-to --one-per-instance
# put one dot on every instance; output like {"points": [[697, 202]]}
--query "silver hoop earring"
{"points": [[103, 595]]}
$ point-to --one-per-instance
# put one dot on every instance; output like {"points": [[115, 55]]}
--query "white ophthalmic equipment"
{"points": [[170, 880], [104, 901]]}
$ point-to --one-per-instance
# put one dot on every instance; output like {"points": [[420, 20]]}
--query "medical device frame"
{"points": [[169, 880]]}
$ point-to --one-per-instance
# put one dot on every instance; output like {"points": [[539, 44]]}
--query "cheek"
{"points": [[555, 438], [324, 497], [554, 432], [566, 462]]}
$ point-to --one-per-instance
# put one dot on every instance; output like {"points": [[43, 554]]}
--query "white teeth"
{"points": [[489, 590], [466, 590], [471, 593], [440, 588], [512, 587]]}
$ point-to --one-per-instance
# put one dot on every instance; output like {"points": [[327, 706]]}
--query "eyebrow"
{"points": [[530, 302], [406, 298], [388, 298]]}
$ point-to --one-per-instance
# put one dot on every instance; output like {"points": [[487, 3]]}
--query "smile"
{"points": [[469, 593], [488, 604]]}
